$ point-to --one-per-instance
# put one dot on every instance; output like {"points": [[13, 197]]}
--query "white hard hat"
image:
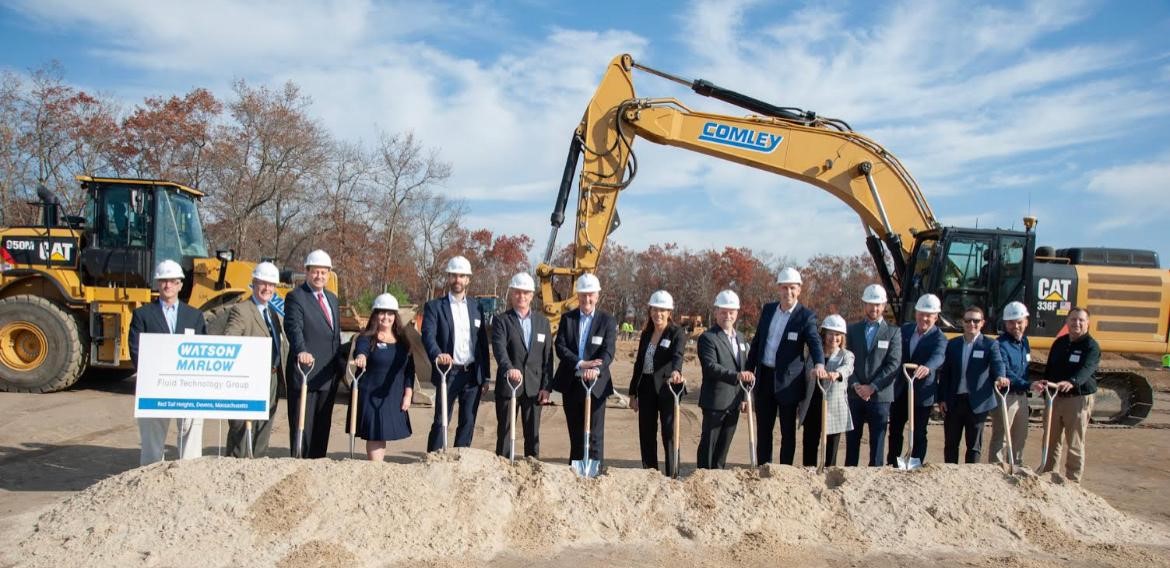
{"points": [[1015, 311], [522, 281], [318, 258], [834, 323], [874, 294], [789, 276], [727, 299], [386, 302], [588, 283], [266, 272], [662, 299], [459, 265], [167, 270], [928, 304]]}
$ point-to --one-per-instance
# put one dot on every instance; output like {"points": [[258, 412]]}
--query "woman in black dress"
{"points": [[386, 388]]}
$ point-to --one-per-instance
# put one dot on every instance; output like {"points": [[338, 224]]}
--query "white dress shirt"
{"points": [[461, 319], [775, 335]]}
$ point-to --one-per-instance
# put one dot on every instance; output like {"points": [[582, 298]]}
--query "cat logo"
{"points": [[1054, 295], [55, 251]]}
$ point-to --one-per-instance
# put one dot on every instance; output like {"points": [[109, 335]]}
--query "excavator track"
{"points": [[1124, 398]]}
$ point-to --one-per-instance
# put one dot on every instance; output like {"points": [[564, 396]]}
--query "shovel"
{"points": [[1009, 466], [907, 462], [248, 437], [751, 416], [443, 397], [300, 452], [586, 467], [353, 405], [512, 420], [1049, 394], [676, 455], [824, 447]]}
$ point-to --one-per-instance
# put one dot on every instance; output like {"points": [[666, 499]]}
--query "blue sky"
{"points": [[1057, 108]]}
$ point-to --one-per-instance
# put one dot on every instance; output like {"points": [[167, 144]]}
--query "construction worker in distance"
{"points": [[1072, 363], [454, 335], [777, 358], [257, 318], [627, 330], [723, 358], [168, 315], [1016, 353], [585, 345], [925, 345], [657, 369], [877, 351], [522, 342], [312, 326], [971, 369]]}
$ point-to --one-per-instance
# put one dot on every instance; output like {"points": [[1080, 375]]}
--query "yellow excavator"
{"points": [[1126, 291], [69, 284]]}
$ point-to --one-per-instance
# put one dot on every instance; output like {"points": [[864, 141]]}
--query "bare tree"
{"points": [[436, 228]]}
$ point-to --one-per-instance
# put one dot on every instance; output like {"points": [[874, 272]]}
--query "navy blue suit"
{"points": [[929, 353], [463, 382], [308, 331], [966, 412], [600, 344], [780, 389], [880, 368]]}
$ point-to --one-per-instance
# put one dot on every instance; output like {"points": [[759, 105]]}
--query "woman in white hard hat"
{"points": [[839, 366], [657, 367], [386, 388]]}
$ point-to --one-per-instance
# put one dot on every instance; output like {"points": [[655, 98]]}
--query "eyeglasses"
{"points": [[969, 320]]}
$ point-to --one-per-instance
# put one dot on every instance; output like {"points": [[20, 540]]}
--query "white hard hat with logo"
{"points": [[318, 258], [266, 272], [662, 299], [459, 265], [874, 294], [588, 283], [928, 304], [168, 270], [1015, 311], [834, 323], [386, 302], [727, 299], [522, 281], [789, 276]]}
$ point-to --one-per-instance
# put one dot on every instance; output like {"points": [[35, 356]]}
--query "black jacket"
{"points": [[600, 344], [535, 360], [668, 357]]}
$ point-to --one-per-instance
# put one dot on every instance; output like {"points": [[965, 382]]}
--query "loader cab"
{"points": [[970, 267], [133, 225]]}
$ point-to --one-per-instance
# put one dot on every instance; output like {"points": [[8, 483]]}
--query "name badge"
{"points": [[476, 323], [976, 354], [540, 338], [792, 336], [596, 340], [743, 347], [188, 331], [1027, 357], [664, 343], [1074, 358], [884, 344]]}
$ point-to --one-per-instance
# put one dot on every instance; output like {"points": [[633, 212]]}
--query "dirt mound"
{"points": [[472, 508]]}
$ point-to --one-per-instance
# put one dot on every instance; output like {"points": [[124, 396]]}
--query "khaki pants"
{"points": [[153, 433], [1017, 428], [1070, 421]]}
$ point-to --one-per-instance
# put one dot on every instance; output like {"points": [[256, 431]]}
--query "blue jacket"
{"points": [[438, 335], [801, 332], [1016, 355], [984, 367], [930, 352]]}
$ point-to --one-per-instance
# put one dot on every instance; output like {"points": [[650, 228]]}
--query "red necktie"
{"points": [[325, 309]]}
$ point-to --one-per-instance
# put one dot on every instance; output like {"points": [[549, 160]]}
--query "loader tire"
{"points": [[41, 346]]}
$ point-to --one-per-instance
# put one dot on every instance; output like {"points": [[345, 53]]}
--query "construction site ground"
{"points": [[53, 446]]}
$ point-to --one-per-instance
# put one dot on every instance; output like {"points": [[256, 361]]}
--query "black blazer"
{"points": [[666, 359], [801, 332], [720, 388], [308, 331], [149, 318], [601, 344], [438, 335], [535, 360]]}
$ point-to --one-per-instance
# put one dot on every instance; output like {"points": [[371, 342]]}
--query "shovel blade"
{"points": [[909, 464], [587, 467]]}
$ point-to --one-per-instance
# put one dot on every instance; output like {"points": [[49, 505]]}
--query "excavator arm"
{"points": [[823, 152]]}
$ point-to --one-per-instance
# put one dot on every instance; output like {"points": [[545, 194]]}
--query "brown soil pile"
{"points": [[472, 508]]}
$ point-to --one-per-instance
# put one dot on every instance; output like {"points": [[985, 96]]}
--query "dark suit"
{"points": [[599, 344], [929, 353], [245, 319], [464, 381], [966, 412], [655, 401], [308, 331], [880, 368], [719, 395], [535, 360], [780, 388]]}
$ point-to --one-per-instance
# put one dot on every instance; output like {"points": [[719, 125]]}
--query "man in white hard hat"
{"points": [[877, 352], [1016, 353], [454, 333], [925, 345], [167, 315], [723, 358], [972, 368], [585, 344], [522, 341], [312, 325], [777, 357], [1072, 364], [257, 317]]}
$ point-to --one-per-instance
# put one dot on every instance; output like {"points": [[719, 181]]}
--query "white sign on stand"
{"points": [[203, 376]]}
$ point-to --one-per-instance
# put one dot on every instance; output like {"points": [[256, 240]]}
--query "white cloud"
{"points": [[1133, 194]]}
